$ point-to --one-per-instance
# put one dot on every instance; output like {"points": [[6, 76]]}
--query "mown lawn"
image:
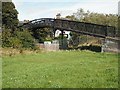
{"points": [[62, 69]]}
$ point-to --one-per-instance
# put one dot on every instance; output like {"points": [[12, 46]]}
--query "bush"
{"points": [[26, 38], [15, 42], [6, 35], [18, 39]]}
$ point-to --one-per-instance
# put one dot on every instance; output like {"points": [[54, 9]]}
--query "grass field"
{"points": [[62, 69]]}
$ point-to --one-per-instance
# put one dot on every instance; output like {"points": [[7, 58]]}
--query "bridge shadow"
{"points": [[93, 48]]}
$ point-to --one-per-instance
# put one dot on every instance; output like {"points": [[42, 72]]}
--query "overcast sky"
{"points": [[34, 9]]}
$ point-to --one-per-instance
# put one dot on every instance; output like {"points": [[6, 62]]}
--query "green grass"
{"points": [[62, 69]]}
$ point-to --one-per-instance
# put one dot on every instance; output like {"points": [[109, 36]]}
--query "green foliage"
{"points": [[74, 41], [90, 17], [9, 24], [15, 42], [97, 18], [63, 69], [72, 17], [26, 39], [20, 39], [12, 36], [42, 34], [6, 34], [0, 13], [9, 15]]}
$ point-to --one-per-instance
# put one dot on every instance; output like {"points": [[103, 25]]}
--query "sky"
{"points": [[35, 9]]}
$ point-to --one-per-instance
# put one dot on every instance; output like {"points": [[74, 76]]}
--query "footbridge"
{"points": [[74, 26], [96, 30]]}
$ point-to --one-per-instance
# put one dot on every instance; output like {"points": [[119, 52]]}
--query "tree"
{"points": [[6, 34], [9, 15], [0, 13], [9, 24], [11, 35], [42, 34], [96, 18], [26, 39], [21, 39], [72, 17]]}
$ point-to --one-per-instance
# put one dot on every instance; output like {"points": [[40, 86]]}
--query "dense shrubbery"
{"points": [[18, 39], [26, 38]]}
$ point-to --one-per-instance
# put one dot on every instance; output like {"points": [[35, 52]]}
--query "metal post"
{"points": [[54, 34], [62, 38]]}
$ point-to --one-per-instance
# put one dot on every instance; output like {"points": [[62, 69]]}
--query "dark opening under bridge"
{"points": [[108, 33], [91, 29]]}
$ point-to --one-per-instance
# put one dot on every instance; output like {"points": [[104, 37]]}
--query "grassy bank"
{"points": [[62, 69]]}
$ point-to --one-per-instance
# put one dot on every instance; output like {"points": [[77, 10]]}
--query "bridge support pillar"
{"points": [[62, 38], [110, 45], [54, 34]]}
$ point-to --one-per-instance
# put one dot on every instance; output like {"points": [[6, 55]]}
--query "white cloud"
{"points": [[101, 6], [65, 0], [45, 0]]}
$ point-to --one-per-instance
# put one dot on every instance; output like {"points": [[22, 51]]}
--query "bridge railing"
{"points": [[79, 27], [101, 30]]}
